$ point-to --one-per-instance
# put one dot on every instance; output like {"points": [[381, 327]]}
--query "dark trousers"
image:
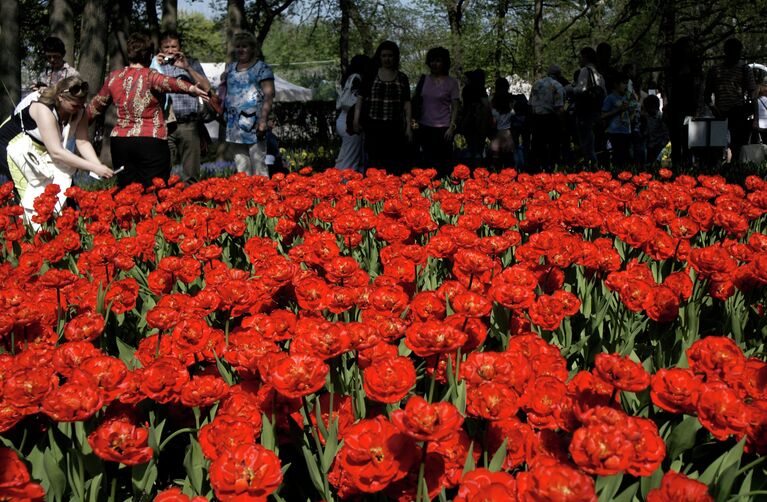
{"points": [[144, 159], [740, 128], [621, 152], [546, 141], [653, 151], [436, 152], [585, 127], [386, 145], [600, 142], [184, 144], [680, 153]]}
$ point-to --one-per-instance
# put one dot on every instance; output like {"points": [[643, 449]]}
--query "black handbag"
{"points": [[590, 100], [416, 103]]}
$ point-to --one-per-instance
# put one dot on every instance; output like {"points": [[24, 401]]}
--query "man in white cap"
{"points": [[547, 100]]}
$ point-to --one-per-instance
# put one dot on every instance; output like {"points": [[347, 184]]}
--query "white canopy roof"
{"points": [[285, 91]]}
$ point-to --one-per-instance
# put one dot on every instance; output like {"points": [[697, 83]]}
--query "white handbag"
{"points": [[31, 158], [755, 153], [348, 97]]}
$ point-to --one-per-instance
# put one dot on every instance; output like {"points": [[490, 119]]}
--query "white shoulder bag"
{"points": [[31, 158]]}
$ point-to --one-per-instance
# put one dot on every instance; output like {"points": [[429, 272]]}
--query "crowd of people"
{"points": [[604, 116], [159, 99]]}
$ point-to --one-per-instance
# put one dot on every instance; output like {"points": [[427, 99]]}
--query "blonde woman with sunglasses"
{"points": [[55, 125]]}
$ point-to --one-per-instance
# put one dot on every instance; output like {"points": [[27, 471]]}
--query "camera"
{"points": [[168, 59]]}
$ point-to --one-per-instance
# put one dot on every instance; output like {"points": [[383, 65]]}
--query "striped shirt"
{"points": [[729, 85]]}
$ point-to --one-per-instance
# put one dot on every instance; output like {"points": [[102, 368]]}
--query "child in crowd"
{"points": [[654, 130], [616, 113], [502, 143]]}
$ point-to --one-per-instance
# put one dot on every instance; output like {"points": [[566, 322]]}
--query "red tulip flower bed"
{"points": [[557, 337]]}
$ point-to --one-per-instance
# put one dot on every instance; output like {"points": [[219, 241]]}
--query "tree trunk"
{"points": [[262, 29], [265, 15], [363, 28], [62, 25], [538, 39], [93, 44], [455, 17], [236, 22], [502, 8], [595, 15], [10, 57], [154, 24], [169, 16], [235, 11], [343, 35], [668, 31], [118, 58], [93, 57], [120, 14]]}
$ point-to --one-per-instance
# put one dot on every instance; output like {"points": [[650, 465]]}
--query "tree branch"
{"points": [[569, 25]]}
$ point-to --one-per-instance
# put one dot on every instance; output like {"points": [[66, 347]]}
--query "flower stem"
{"points": [[433, 378], [421, 472], [175, 433], [318, 444]]}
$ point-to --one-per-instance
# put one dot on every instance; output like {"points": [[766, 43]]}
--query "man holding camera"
{"points": [[184, 141]]}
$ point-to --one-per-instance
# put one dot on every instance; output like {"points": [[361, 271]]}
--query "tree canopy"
{"points": [[311, 41]]}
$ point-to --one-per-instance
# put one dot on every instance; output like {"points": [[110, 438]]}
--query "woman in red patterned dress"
{"points": [[140, 136]]}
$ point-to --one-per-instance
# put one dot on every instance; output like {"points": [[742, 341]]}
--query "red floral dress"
{"points": [[135, 92]]}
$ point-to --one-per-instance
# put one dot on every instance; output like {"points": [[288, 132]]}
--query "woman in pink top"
{"points": [[439, 98]]}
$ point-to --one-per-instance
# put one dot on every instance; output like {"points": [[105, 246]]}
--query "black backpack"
{"points": [[590, 101]]}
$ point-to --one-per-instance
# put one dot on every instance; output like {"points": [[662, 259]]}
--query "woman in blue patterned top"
{"points": [[247, 88]]}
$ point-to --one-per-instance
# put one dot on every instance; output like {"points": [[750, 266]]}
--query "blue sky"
{"points": [[202, 6]]}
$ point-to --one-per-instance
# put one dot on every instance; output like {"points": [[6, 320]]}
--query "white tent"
{"points": [[285, 91]]}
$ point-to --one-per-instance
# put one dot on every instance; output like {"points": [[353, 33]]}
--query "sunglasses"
{"points": [[81, 88]]}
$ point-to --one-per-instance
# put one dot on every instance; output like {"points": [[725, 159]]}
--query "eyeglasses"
{"points": [[81, 88]]}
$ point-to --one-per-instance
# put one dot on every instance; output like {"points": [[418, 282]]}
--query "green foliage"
{"points": [[496, 35], [34, 29], [203, 38], [305, 54]]}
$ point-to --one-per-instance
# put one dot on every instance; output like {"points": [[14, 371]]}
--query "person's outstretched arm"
{"points": [[164, 83], [49, 133]]}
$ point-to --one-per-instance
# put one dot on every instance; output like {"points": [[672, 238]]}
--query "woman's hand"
{"points": [[450, 132], [103, 171], [198, 91], [261, 130], [409, 134], [357, 126]]}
